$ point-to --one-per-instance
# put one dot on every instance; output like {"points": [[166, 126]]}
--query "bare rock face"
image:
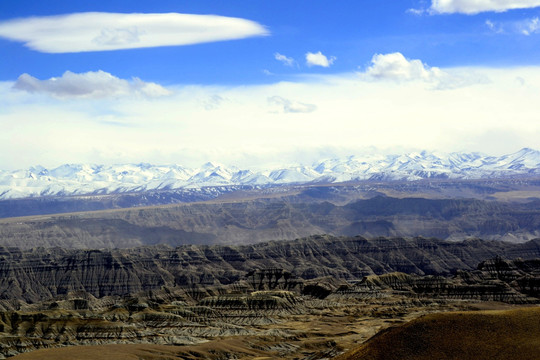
{"points": [[514, 282], [272, 279], [34, 275], [182, 315], [192, 294]]}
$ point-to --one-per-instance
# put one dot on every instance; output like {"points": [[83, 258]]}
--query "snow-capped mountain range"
{"points": [[83, 179]]}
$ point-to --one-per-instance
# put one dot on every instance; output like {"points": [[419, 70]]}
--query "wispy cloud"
{"points": [[285, 60], [319, 59], [530, 26], [213, 102], [93, 31], [525, 27], [495, 27], [477, 6], [288, 106], [92, 84], [417, 12]]}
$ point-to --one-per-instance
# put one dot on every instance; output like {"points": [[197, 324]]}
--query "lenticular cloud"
{"points": [[82, 32], [478, 6]]}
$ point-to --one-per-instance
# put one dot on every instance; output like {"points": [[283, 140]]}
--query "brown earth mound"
{"points": [[103, 352], [219, 349], [513, 334]]}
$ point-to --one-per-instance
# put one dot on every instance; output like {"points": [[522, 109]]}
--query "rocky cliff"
{"points": [[270, 295], [271, 311], [32, 275]]}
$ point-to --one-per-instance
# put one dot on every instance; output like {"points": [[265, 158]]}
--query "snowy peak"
{"points": [[524, 159], [78, 179]]}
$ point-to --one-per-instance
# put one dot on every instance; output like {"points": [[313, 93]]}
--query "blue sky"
{"points": [[352, 31], [289, 80]]}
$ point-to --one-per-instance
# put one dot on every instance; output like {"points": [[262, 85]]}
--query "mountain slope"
{"points": [[465, 335], [81, 179], [275, 219]]}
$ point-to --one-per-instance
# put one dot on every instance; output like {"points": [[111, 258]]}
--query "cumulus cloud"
{"points": [[288, 106], [395, 66], [288, 61], [93, 31], [92, 84], [319, 59], [477, 6]]}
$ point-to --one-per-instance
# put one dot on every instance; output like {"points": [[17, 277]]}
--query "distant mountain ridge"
{"points": [[87, 179], [248, 222]]}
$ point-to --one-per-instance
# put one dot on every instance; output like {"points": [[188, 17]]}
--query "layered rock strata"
{"points": [[34, 275]]}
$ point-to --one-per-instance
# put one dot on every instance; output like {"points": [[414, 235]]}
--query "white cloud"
{"points": [[318, 59], [524, 27], [95, 31], [288, 61], [493, 26], [395, 66], [352, 112], [416, 12], [288, 106], [92, 84], [477, 6], [529, 26]]}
